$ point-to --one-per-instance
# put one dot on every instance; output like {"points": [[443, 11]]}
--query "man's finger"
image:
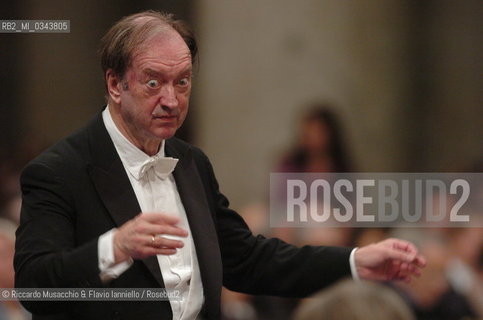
{"points": [[157, 217], [166, 252], [162, 242], [404, 245], [155, 229], [413, 254], [400, 255], [420, 261], [170, 230]]}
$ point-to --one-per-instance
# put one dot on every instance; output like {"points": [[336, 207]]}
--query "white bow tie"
{"points": [[163, 166]]}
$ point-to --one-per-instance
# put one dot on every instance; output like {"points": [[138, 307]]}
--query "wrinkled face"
{"points": [[155, 90]]}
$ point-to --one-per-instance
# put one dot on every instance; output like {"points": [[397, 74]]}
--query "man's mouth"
{"points": [[164, 117], [166, 120]]}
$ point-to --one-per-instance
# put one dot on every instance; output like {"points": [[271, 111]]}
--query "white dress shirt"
{"points": [[156, 192]]}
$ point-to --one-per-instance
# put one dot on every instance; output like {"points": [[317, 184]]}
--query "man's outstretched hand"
{"points": [[390, 259]]}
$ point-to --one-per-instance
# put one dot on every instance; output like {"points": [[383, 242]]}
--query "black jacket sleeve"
{"points": [[257, 265], [47, 255]]}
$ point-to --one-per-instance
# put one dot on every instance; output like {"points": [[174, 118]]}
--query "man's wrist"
{"points": [[120, 253]]}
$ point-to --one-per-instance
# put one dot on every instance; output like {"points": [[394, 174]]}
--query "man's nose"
{"points": [[168, 97]]}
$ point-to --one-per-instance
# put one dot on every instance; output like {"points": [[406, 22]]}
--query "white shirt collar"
{"points": [[133, 158]]}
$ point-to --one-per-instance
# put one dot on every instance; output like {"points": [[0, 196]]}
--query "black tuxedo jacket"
{"points": [[78, 189]]}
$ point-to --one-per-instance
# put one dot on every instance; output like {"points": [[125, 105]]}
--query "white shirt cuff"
{"points": [[107, 267], [352, 262]]}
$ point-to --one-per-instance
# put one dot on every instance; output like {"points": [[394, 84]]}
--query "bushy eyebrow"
{"points": [[153, 73]]}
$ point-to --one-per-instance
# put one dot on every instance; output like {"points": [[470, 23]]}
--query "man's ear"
{"points": [[114, 86]]}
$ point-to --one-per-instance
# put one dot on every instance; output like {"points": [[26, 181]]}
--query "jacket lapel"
{"points": [[112, 183], [194, 199]]}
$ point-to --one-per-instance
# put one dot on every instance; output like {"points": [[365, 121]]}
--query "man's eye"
{"points": [[184, 82], [153, 83]]}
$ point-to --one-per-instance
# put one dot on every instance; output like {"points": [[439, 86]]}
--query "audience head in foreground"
{"points": [[355, 301]]}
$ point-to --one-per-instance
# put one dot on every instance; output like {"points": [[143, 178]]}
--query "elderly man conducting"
{"points": [[121, 203]]}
